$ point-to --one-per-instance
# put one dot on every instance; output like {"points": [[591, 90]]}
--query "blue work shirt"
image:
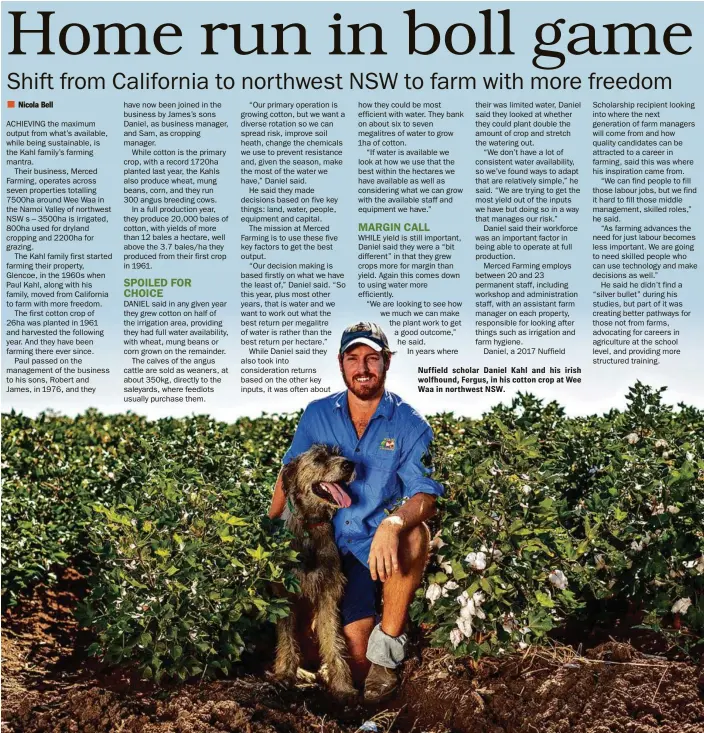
{"points": [[388, 462]]}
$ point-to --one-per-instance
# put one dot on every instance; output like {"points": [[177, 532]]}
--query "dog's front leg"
{"points": [[333, 647], [288, 653]]}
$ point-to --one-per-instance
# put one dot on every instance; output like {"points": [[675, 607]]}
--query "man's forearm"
{"points": [[416, 510], [278, 500]]}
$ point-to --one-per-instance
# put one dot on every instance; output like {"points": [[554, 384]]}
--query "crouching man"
{"points": [[382, 537]]}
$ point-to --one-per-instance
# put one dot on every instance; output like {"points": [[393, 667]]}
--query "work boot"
{"points": [[380, 685]]}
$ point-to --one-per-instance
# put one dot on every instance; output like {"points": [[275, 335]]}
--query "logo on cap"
{"points": [[364, 332]]}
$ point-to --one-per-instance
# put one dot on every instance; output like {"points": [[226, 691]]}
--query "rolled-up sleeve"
{"points": [[301, 439], [415, 470]]}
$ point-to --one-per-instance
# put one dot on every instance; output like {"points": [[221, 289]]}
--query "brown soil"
{"points": [[48, 685]]}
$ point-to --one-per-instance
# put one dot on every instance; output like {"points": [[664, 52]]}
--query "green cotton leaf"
{"points": [[237, 522], [544, 599], [134, 583], [145, 639], [439, 577], [486, 585], [583, 547], [162, 552], [258, 554], [458, 572], [176, 652], [172, 570], [473, 588], [619, 514]]}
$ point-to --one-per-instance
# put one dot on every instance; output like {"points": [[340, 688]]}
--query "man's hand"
{"points": [[383, 556]]}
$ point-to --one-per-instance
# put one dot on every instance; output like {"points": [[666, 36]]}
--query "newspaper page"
{"points": [[351, 366]]}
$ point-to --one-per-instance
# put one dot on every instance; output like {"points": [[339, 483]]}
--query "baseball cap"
{"points": [[364, 333]]}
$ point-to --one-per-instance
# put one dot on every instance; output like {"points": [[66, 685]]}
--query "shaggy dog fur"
{"points": [[319, 574]]}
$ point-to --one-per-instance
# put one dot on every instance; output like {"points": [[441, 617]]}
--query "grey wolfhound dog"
{"points": [[321, 580]]}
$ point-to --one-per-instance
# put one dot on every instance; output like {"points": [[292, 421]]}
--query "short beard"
{"points": [[364, 392]]}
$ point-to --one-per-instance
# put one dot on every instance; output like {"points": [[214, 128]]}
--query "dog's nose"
{"points": [[349, 465]]}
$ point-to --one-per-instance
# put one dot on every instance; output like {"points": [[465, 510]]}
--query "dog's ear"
{"points": [[288, 476]]}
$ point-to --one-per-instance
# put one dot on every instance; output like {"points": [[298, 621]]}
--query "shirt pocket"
{"points": [[383, 466]]}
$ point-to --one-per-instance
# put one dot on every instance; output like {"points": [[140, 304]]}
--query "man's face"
{"points": [[364, 371]]}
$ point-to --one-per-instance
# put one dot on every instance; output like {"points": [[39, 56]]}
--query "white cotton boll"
{"points": [[673, 509], [658, 509], [558, 579], [689, 456], [522, 645], [463, 598], [465, 626], [526, 489], [456, 638], [446, 567], [450, 585], [698, 564], [681, 606], [476, 560], [467, 611], [633, 438], [660, 443], [433, 593]]}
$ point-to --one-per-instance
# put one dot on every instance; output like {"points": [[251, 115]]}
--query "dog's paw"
{"points": [[344, 692], [303, 676], [284, 678], [285, 683]]}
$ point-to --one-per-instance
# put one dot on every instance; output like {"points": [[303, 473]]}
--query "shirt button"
{"points": [[349, 542], [347, 521], [356, 450]]}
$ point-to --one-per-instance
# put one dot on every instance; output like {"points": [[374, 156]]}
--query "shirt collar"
{"points": [[385, 408]]}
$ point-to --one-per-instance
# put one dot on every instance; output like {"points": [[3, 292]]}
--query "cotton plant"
{"points": [[499, 543]]}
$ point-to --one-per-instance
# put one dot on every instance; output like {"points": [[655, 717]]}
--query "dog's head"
{"points": [[303, 476]]}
